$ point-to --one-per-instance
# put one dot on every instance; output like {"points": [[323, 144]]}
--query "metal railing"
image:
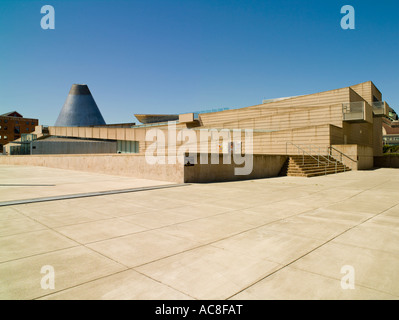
{"points": [[380, 108], [331, 148], [316, 156], [353, 110], [197, 113]]}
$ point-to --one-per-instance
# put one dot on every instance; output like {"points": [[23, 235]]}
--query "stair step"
{"points": [[319, 169], [315, 165], [308, 166], [316, 171]]}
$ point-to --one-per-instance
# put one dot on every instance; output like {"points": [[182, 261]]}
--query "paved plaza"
{"points": [[278, 238]]}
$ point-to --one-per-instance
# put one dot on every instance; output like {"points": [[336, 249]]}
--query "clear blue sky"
{"points": [[175, 56]]}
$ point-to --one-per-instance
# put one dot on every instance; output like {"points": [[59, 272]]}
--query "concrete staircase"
{"points": [[308, 166]]}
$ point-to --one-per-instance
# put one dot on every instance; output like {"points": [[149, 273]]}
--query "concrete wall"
{"points": [[293, 104], [387, 161], [264, 166], [358, 133], [366, 90], [186, 117], [280, 119], [377, 136], [362, 154], [116, 164], [73, 147]]}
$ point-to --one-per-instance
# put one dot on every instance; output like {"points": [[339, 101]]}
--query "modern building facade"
{"points": [[340, 129], [12, 125]]}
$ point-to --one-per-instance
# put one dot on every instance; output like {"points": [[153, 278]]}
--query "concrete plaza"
{"points": [[278, 238]]}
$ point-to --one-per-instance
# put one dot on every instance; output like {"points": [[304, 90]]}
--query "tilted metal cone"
{"points": [[80, 109]]}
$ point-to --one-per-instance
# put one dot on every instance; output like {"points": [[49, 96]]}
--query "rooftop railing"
{"points": [[196, 113], [155, 124]]}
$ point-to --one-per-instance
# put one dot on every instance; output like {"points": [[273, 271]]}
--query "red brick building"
{"points": [[12, 125]]}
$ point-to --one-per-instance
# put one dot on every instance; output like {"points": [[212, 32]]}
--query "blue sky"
{"points": [[176, 56]]}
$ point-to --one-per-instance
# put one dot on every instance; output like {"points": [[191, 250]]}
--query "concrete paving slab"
{"points": [[7, 213], [373, 235], [22, 279], [262, 243], [362, 204], [209, 229], [326, 214], [115, 209], [294, 284], [99, 230], [53, 219], [279, 209], [386, 219], [393, 212], [143, 247], [197, 211], [32, 209], [208, 272], [32, 243], [126, 285], [373, 269], [157, 219], [19, 225], [309, 227], [24, 182]]}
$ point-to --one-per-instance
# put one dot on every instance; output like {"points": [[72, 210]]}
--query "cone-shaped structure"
{"points": [[79, 109]]}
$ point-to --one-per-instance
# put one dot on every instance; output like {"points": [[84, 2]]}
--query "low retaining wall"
{"points": [[364, 156], [130, 165], [387, 161], [263, 166]]}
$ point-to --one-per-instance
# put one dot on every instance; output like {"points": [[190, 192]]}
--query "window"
{"points": [[5, 128], [16, 122], [5, 120], [17, 130], [27, 123], [128, 146], [32, 123], [5, 137]]}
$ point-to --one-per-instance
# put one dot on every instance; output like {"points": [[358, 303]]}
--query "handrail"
{"points": [[342, 154], [318, 155], [310, 149]]}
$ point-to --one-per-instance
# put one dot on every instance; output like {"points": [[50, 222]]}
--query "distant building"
{"points": [[156, 118], [390, 131], [80, 109], [12, 125]]}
